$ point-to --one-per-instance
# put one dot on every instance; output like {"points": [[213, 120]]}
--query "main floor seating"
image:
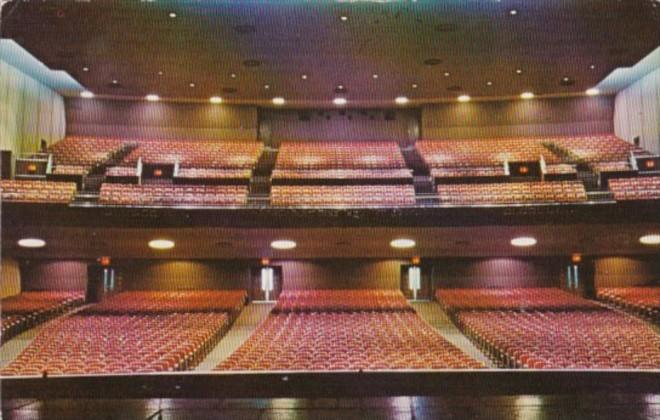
{"points": [[361, 176], [551, 329], [348, 196], [304, 155], [513, 193], [173, 195], [204, 175], [132, 332], [638, 188], [28, 191], [640, 300], [196, 154], [345, 330], [29, 308]]}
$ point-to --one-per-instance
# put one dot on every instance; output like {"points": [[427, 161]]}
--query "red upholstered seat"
{"points": [[513, 193], [315, 155], [639, 188], [641, 300], [26, 191], [172, 195], [342, 196], [197, 154]]}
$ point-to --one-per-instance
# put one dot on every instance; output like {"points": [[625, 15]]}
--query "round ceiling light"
{"points": [[401, 100], [86, 94], [464, 98], [31, 243], [402, 243], [523, 241], [527, 95], [283, 244], [340, 101], [651, 239], [152, 97], [592, 92], [161, 244], [278, 100], [215, 100]]}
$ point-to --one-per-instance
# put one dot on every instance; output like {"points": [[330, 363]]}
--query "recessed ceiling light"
{"points": [[304, 77], [283, 244], [85, 68], [518, 71], [565, 79], [233, 75], [160, 73], [402, 243], [340, 87], [161, 244], [172, 15], [489, 83], [343, 18], [152, 97], [86, 94], [592, 92], [523, 241], [447, 74], [401, 100], [593, 66], [31, 243], [374, 76], [339, 101], [652, 239], [278, 100], [513, 12], [464, 98], [192, 85], [527, 95], [115, 81], [414, 86], [215, 100], [266, 86]]}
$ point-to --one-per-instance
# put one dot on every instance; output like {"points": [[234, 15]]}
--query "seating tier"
{"points": [[26, 191], [171, 301], [641, 300], [340, 155], [639, 188], [172, 195], [341, 300], [197, 154], [85, 151], [513, 193], [349, 196], [515, 299]]}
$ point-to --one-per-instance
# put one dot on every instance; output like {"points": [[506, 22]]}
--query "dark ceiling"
{"points": [[275, 42]]}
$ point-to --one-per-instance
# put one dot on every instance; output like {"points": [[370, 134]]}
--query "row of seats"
{"points": [[600, 339], [171, 301], [593, 149], [639, 188], [513, 192], [511, 299], [28, 191], [101, 344], [344, 196], [341, 174], [27, 309], [173, 195], [213, 174], [341, 300], [639, 300], [340, 155], [321, 330], [197, 154], [85, 152]]}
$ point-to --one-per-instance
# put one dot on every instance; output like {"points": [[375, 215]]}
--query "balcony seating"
{"points": [[121, 171], [644, 301], [132, 332], [493, 172], [345, 176], [314, 155], [213, 175], [600, 339], [75, 170], [341, 300], [602, 167], [639, 188], [25, 191], [561, 169], [173, 195], [593, 149], [512, 193], [345, 334], [197, 154], [511, 299], [27, 309], [483, 152], [349, 196], [85, 151], [154, 302]]}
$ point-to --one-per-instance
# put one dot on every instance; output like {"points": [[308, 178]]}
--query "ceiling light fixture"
{"points": [[592, 66], [513, 12], [215, 100], [266, 86], [340, 101], [152, 97], [85, 68], [523, 241], [343, 18], [489, 83], [115, 81], [374, 76], [304, 77], [592, 92], [464, 98], [527, 95], [278, 100], [414, 86], [651, 239], [31, 243], [447, 74], [172, 15], [233, 75], [283, 244], [401, 100], [86, 94], [518, 71], [192, 85], [402, 243], [161, 244]]}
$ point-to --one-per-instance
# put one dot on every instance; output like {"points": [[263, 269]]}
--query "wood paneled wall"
{"points": [[341, 274], [514, 118], [637, 112], [627, 271], [10, 277], [182, 275], [29, 112], [54, 275], [160, 120]]}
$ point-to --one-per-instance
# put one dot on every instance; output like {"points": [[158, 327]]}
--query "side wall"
{"points": [[54, 275], [182, 275], [341, 274], [637, 112], [627, 271], [29, 112], [563, 116], [160, 120], [10, 278]]}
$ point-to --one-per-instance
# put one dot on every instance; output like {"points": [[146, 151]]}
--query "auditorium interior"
{"points": [[257, 209]]}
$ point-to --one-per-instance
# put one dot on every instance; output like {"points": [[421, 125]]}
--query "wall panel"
{"points": [[637, 112], [341, 274], [627, 271], [10, 278], [54, 275]]}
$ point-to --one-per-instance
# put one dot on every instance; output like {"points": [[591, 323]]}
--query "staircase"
{"points": [[259, 190]]}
